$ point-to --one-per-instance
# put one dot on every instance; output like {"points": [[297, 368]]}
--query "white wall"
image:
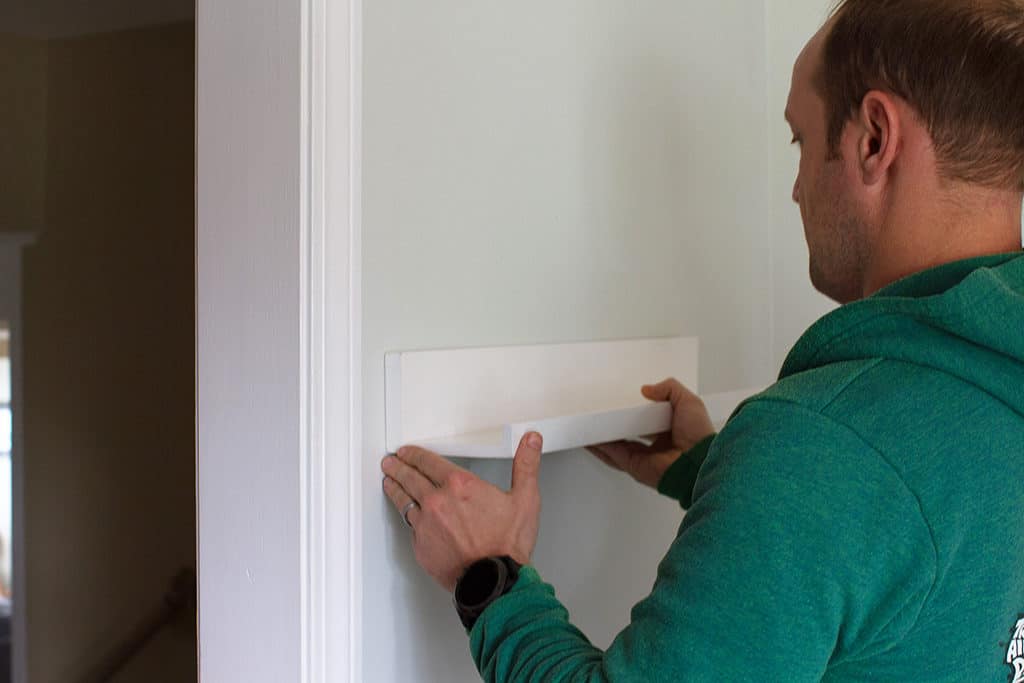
{"points": [[795, 303], [249, 420], [547, 172]]}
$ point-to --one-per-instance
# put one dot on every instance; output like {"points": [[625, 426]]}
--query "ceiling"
{"points": [[63, 18]]}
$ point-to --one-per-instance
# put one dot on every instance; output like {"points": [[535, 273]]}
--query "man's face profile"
{"points": [[824, 187]]}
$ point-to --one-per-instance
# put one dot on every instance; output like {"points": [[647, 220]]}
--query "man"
{"points": [[862, 518]]}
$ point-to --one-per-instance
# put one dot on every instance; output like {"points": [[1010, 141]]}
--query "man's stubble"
{"points": [[836, 238]]}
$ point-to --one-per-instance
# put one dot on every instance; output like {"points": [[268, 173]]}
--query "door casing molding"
{"points": [[330, 276], [278, 340], [12, 245]]}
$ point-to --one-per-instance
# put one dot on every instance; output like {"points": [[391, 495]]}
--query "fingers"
{"points": [[409, 478], [669, 390], [602, 456], [619, 453], [400, 499], [526, 465], [431, 465], [660, 443]]}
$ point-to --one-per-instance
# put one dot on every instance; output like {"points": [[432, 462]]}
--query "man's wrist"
{"points": [[482, 584]]}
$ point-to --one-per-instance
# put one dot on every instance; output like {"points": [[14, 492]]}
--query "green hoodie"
{"points": [[859, 520]]}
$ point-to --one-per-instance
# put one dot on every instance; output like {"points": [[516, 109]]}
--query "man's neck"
{"points": [[919, 235]]}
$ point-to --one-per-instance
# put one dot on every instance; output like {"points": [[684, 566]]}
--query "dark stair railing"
{"points": [[181, 596]]}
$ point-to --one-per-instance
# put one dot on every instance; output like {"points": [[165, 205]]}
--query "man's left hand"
{"points": [[461, 518]]}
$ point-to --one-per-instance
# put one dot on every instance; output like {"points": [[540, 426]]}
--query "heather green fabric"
{"points": [[859, 520], [678, 481]]}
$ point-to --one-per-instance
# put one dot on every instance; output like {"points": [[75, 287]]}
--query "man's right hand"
{"points": [[691, 424]]}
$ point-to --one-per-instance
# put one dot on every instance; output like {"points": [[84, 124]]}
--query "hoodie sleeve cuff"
{"points": [[679, 478], [528, 577]]}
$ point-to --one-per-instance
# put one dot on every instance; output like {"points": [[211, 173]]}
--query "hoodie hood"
{"points": [[964, 318]]}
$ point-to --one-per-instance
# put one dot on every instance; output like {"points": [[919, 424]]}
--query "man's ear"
{"points": [[878, 136]]}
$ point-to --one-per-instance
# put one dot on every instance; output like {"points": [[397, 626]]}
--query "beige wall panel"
{"points": [[109, 369], [22, 133]]}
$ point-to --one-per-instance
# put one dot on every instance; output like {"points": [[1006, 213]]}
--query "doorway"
{"points": [[97, 166]]}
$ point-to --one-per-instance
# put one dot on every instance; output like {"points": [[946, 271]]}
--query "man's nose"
{"points": [[796, 190]]}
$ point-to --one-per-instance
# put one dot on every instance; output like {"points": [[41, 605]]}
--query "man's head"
{"points": [[899, 106]]}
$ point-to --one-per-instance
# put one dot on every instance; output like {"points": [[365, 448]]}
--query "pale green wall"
{"points": [[547, 172]]}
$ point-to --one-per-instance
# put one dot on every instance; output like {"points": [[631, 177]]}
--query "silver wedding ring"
{"points": [[405, 511]]}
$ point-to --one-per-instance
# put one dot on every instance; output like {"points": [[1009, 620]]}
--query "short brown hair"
{"points": [[958, 63]]}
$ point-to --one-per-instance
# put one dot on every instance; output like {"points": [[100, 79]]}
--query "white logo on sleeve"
{"points": [[1015, 653]]}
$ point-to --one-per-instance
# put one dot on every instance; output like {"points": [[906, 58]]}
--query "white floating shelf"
{"points": [[478, 403], [561, 433]]}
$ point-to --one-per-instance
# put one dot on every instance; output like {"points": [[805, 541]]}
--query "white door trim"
{"points": [[330, 275], [278, 340]]}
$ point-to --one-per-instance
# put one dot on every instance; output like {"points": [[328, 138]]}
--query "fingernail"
{"points": [[534, 440]]}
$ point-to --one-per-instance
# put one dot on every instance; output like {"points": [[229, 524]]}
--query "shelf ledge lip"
{"points": [[561, 433], [567, 432]]}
